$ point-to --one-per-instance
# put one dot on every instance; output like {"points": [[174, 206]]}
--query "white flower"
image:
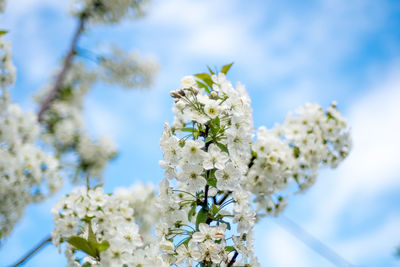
{"points": [[215, 158], [228, 178], [192, 151], [212, 109], [188, 82]]}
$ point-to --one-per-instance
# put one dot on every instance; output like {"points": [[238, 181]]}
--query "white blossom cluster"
{"points": [[108, 11], [214, 169], [27, 173], [7, 68], [64, 124], [102, 226], [207, 168], [127, 69], [293, 153], [142, 199]]}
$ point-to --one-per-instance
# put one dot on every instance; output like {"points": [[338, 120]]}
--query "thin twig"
{"points": [[66, 66], [312, 242], [226, 195], [44, 242]]}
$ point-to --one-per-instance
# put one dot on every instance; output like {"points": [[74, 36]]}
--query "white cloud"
{"points": [[373, 166], [282, 249], [381, 241]]}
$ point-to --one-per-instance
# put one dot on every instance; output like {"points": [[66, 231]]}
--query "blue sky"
{"points": [[287, 53]]}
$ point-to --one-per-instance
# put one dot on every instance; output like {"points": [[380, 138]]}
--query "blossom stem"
{"points": [[66, 66], [42, 243], [226, 195]]}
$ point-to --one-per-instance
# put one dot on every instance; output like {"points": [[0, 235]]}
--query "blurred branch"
{"points": [[66, 66], [312, 242], [44, 242]]}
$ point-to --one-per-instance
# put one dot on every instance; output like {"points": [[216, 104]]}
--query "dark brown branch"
{"points": [[66, 66], [44, 242], [230, 264]]}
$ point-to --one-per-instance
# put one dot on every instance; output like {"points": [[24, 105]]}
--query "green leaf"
{"points": [[82, 244], [204, 86], [188, 130], [212, 181], [192, 211], [201, 217], [103, 245], [229, 248], [208, 139], [214, 209], [2, 32], [210, 70], [226, 68], [222, 147], [296, 151], [92, 237], [205, 77]]}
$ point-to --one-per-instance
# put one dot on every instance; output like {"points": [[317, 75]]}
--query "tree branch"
{"points": [[233, 259], [66, 66], [33, 251]]}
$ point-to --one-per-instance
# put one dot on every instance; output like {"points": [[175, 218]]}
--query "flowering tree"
{"points": [[221, 175], [37, 148]]}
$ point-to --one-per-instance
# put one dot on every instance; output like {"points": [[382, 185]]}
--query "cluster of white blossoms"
{"points": [[127, 69], [27, 173], [7, 68], [142, 199], [63, 120], [214, 169], [208, 218], [292, 154], [104, 227], [108, 11], [64, 126]]}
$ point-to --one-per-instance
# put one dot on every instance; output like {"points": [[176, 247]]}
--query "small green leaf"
{"points": [[204, 86], [212, 181], [82, 244], [192, 211], [296, 151], [103, 245], [205, 77], [91, 236], [210, 70], [201, 217], [214, 209], [226, 68], [208, 139], [229, 248], [2, 32], [222, 147], [188, 130]]}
